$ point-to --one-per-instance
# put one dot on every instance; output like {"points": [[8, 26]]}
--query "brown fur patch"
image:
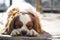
{"points": [[36, 23]]}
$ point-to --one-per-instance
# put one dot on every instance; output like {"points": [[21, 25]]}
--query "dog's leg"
{"points": [[16, 32]]}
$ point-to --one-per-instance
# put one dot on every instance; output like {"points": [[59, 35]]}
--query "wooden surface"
{"points": [[44, 36], [21, 38], [26, 38]]}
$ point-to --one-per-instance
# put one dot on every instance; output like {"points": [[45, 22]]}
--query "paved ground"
{"points": [[50, 23]]}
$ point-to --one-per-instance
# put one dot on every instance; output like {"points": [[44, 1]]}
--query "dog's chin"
{"points": [[30, 33]]}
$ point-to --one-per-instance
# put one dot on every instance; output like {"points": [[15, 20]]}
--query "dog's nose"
{"points": [[24, 32]]}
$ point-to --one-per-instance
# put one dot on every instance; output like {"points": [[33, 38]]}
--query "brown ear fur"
{"points": [[10, 21], [36, 23], [13, 12], [8, 27]]}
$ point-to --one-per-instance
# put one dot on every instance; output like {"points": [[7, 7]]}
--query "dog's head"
{"points": [[26, 23]]}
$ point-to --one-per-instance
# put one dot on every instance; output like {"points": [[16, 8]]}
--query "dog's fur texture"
{"points": [[22, 17]]}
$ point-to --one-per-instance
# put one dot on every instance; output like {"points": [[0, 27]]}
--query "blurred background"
{"points": [[49, 13], [4, 4], [50, 5], [47, 5]]}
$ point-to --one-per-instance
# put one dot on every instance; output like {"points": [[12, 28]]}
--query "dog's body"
{"points": [[23, 20]]}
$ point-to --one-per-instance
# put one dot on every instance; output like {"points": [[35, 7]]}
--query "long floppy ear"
{"points": [[10, 21], [8, 27], [36, 23]]}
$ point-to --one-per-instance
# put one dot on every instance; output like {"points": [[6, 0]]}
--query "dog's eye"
{"points": [[29, 25], [18, 24]]}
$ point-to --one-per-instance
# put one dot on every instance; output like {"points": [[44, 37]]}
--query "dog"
{"points": [[22, 21]]}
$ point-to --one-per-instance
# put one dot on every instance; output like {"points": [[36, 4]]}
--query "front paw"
{"points": [[15, 33], [32, 33]]}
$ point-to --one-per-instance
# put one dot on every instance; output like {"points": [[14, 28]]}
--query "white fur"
{"points": [[24, 6], [24, 19]]}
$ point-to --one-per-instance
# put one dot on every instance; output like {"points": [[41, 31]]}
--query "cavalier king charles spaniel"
{"points": [[22, 22]]}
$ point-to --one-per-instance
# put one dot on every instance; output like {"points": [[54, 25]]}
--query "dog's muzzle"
{"points": [[24, 33]]}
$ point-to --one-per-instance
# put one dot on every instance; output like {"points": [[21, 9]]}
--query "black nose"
{"points": [[24, 32]]}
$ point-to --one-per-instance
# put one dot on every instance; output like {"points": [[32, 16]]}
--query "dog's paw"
{"points": [[32, 33], [15, 33]]}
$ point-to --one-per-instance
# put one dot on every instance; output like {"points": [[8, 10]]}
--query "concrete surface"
{"points": [[51, 23]]}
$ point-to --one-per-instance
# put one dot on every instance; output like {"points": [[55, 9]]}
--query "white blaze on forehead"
{"points": [[25, 18]]}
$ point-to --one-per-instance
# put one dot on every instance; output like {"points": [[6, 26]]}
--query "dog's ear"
{"points": [[8, 27], [36, 23], [10, 21], [13, 11]]}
